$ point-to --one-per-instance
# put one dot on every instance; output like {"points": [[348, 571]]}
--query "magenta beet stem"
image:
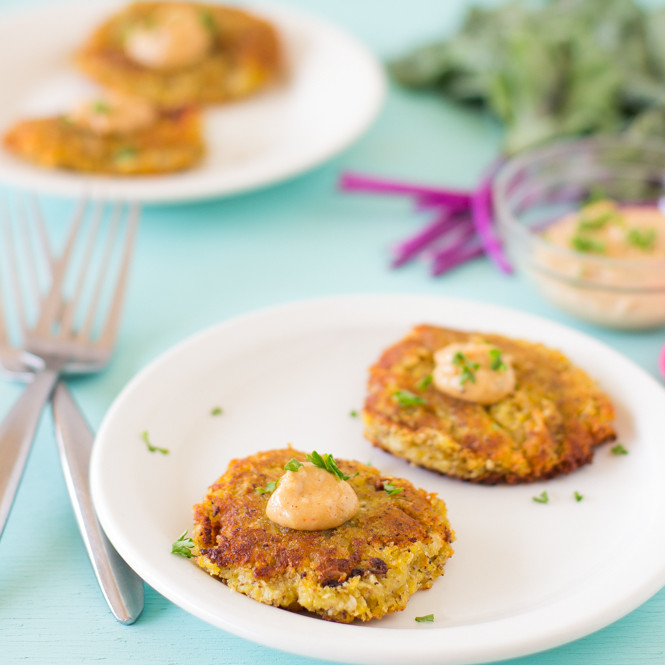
{"points": [[455, 257], [405, 251], [353, 182]]}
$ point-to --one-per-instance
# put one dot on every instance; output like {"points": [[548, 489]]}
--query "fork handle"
{"points": [[16, 434], [121, 586]]}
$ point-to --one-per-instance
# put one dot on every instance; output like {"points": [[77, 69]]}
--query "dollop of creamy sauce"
{"points": [[474, 372], [627, 295], [113, 114], [312, 499], [175, 37]]}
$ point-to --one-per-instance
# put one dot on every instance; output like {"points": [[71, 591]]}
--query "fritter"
{"points": [[549, 425], [395, 545], [244, 56], [172, 143]]}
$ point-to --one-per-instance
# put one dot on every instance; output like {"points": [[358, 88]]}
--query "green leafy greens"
{"points": [[428, 618], [151, 448], [407, 398], [468, 368], [552, 68], [391, 490], [270, 487], [292, 465]]}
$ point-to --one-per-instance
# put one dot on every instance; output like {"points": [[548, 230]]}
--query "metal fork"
{"points": [[57, 345]]}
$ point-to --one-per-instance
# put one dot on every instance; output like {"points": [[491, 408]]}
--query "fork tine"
{"points": [[107, 337], [52, 305], [29, 253], [13, 270], [116, 214], [4, 334], [72, 305], [38, 217]]}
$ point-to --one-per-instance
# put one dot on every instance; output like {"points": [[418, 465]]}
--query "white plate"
{"points": [[335, 90], [525, 576]]}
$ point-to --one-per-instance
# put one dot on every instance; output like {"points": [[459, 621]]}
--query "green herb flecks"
{"points": [[587, 245], [208, 21], [468, 368], [391, 490], [424, 382], [327, 462], [595, 223], [292, 465], [541, 498], [496, 361], [578, 496], [406, 398], [100, 106], [428, 618], [183, 546], [270, 487], [619, 449], [151, 448], [125, 154], [216, 411], [641, 238], [353, 413]]}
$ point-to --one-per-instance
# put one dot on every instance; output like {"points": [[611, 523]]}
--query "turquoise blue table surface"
{"points": [[201, 263]]}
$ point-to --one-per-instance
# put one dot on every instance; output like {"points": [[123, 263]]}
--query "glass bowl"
{"points": [[539, 187]]}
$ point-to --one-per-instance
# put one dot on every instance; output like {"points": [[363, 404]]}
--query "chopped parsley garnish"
{"points": [[353, 414], [292, 465], [328, 463], [643, 239], [595, 223], [183, 546], [101, 106], [587, 245], [391, 489], [208, 21], [618, 450], [216, 411], [496, 362], [407, 398], [424, 382], [151, 448], [468, 368], [428, 618], [125, 153], [270, 487], [578, 496], [541, 498]]}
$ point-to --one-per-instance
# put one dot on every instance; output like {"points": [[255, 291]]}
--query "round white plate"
{"points": [[333, 93], [525, 576]]}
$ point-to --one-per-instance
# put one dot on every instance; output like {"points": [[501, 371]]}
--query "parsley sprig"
{"points": [[468, 368], [407, 398], [619, 449], [327, 462], [270, 487], [292, 465], [496, 361], [151, 448], [183, 546], [424, 382], [587, 245], [428, 618], [641, 238], [391, 489], [542, 498]]}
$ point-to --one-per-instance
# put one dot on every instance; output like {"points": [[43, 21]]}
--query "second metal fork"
{"points": [[67, 339]]}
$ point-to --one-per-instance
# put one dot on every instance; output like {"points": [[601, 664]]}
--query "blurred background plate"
{"points": [[334, 90]]}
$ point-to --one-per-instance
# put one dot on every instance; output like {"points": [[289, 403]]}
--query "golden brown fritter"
{"points": [[363, 569], [172, 143], [548, 426], [245, 57]]}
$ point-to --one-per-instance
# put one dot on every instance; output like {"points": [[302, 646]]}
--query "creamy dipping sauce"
{"points": [[627, 290], [176, 37], [113, 114], [474, 372], [312, 499]]}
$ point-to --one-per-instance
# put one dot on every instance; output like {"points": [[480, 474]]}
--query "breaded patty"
{"points": [[395, 545], [172, 143], [245, 57], [549, 425]]}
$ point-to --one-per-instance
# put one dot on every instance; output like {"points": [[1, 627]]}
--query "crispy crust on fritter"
{"points": [[548, 426], [246, 56], [363, 569], [173, 143]]}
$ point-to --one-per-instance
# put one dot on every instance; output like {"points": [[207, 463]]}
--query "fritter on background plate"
{"points": [[182, 53], [397, 542], [484, 407]]}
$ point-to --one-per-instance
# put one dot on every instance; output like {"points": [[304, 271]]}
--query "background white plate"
{"points": [[525, 576], [334, 91]]}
